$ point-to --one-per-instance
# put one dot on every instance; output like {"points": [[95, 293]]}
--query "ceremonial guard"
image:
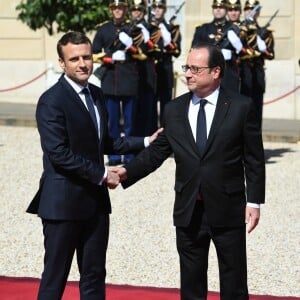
{"points": [[146, 115], [219, 32], [261, 40], [115, 48], [171, 36], [234, 10]]}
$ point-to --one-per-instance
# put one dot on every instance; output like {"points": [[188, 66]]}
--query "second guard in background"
{"points": [[171, 37], [114, 48], [218, 32], [260, 39], [146, 116]]}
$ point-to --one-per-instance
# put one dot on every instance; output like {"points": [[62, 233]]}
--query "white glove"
{"points": [[119, 55], [125, 39], [145, 32], [262, 47], [165, 33], [227, 54], [235, 41]]}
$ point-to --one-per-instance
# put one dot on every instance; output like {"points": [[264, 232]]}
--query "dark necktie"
{"points": [[201, 133], [90, 105]]}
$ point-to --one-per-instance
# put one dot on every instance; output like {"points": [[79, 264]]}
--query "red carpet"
{"points": [[12, 288]]}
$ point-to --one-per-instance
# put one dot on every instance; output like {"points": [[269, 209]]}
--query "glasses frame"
{"points": [[194, 69]]}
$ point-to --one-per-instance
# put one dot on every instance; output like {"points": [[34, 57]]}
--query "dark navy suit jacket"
{"points": [[73, 155]]}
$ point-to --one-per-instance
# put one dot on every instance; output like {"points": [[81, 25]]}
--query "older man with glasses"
{"points": [[214, 136]]}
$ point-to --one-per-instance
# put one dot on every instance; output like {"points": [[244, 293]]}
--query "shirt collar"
{"points": [[212, 98], [77, 87]]}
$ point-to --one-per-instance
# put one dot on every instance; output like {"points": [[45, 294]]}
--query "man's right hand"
{"points": [[121, 172], [113, 179]]}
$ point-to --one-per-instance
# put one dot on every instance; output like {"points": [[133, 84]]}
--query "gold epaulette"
{"points": [[101, 24], [97, 58], [174, 24], [198, 25], [154, 24]]}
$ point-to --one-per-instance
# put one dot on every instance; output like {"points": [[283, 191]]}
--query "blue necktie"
{"points": [[201, 133], [90, 105]]}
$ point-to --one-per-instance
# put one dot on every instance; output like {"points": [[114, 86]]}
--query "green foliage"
{"points": [[63, 15]]}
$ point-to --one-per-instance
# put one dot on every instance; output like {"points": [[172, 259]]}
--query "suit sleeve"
{"points": [[148, 160], [254, 160], [55, 143]]}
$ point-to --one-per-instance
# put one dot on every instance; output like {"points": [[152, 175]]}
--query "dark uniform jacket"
{"points": [[120, 78], [215, 33]]}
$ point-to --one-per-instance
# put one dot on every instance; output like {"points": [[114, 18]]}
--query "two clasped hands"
{"points": [[115, 175]]}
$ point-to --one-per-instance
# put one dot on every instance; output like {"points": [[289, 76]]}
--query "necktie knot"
{"points": [[87, 93], [203, 103]]}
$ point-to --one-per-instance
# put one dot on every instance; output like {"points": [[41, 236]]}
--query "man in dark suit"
{"points": [[73, 200], [217, 147]]}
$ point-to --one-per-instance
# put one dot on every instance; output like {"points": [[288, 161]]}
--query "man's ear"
{"points": [[61, 63], [217, 72]]}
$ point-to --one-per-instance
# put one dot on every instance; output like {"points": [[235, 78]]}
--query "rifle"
{"points": [[250, 17], [149, 11], [263, 31], [176, 12]]}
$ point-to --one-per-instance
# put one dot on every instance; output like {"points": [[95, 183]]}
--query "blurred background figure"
{"points": [[115, 49], [171, 37], [146, 115], [218, 32], [261, 41]]}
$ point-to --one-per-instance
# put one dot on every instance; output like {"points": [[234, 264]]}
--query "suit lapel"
{"points": [[187, 126], [222, 107], [76, 101]]}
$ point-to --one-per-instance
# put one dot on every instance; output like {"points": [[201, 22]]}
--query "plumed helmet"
{"points": [[139, 5], [117, 3], [159, 3], [250, 4], [234, 4], [219, 3]]}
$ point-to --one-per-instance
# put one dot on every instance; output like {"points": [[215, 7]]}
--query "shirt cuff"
{"points": [[146, 141], [104, 178], [254, 205]]}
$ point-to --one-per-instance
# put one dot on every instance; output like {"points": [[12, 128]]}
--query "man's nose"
{"points": [[82, 62]]}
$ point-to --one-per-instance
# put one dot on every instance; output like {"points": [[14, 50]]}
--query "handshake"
{"points": [[115, 175]]}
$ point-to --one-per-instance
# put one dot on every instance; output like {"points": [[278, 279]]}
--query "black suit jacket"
{"points": [[73, 155], [233, 156]]}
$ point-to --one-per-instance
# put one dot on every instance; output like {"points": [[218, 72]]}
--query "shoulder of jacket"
{"points": [[181, 98], [101, 24], [202, 25], [198, 25]]}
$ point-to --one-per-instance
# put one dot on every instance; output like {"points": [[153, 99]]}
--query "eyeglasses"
{"points": [[193, 69]]}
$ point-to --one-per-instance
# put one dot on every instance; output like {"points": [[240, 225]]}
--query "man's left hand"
{"points": [[155, 135], [252, 217]]}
